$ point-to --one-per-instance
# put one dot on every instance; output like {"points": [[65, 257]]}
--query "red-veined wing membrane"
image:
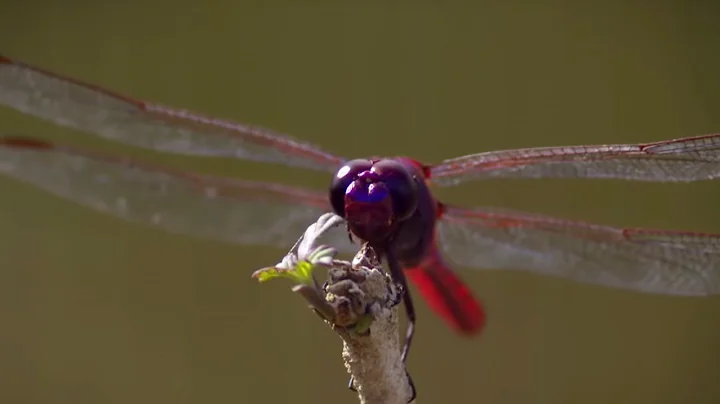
{"points": [[656, 261], [224, 209], [686, 159], [69, 102], [246, 212], [86, 107]]}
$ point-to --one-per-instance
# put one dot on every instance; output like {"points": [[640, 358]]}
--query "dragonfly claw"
{"points": [[413, 392]]}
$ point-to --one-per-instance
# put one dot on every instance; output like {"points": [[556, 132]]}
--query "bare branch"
{"points": [[359, 301]]}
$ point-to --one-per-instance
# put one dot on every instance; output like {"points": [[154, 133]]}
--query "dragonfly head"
{"points": [[373, 196]]}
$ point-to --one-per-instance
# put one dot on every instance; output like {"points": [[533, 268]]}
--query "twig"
{"points": [[359, 301]]}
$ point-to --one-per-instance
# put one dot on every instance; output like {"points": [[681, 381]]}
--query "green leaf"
{"points": [[301, 273], [363, 324], [298, 270]]}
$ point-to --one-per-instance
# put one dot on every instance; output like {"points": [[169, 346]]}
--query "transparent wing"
{"points": [[687, 159], [656, 261], [69, 102], [223, 209]]}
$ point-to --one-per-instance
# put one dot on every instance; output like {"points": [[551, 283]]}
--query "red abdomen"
{"points": [[424, 266], [446, 294]]}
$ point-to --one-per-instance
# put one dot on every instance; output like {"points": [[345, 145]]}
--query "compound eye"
{"points": [[402, 187], [342, 180]]}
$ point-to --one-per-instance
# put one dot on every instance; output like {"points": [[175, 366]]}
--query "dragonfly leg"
{"points": [[413, 394], [349, 233], [398, 275], [397, 297]]}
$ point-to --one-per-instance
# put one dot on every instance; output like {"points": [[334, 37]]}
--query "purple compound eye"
{"points": [[401, 185], [345, 176]]}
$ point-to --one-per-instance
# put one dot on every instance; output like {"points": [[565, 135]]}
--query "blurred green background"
{"points": [[95, 310]]}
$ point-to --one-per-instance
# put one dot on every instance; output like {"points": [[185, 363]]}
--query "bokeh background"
{"points": [[95, 310]]}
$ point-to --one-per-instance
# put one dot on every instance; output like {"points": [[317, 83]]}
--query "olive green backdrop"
{"points": [[95, 310]]}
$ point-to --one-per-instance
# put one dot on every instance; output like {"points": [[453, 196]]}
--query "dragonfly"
{"points": [[387, 201]]}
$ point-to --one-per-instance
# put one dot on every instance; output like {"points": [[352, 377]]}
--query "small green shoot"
{"points": [[299, 271], [362, 327]]}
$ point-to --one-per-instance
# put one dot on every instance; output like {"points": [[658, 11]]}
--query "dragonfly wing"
{"points": [[687, 159], [69, 102], [655, 261], [224, 209]]}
